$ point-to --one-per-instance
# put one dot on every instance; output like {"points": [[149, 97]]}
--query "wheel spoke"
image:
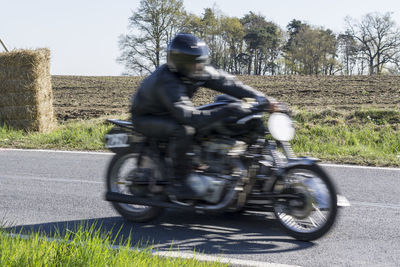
{"points": [[319, 212], [312, 221], [289, 220]]}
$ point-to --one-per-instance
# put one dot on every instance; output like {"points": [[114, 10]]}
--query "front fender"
{"points": [[292, 163]]}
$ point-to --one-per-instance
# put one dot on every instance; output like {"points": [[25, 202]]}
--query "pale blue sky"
{"points": [[83, 34]]}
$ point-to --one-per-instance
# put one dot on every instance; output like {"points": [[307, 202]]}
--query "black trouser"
{"points": [[180, 139]]}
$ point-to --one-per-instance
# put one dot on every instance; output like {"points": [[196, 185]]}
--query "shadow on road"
{"points": [[221, 233]]}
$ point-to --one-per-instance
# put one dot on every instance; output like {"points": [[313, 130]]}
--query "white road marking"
{"points": [[376, 205], [43, 179], [360, 167], [342, 201], [57, 151]]}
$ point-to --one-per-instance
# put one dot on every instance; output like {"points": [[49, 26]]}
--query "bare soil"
{"points": [[82, 97]]}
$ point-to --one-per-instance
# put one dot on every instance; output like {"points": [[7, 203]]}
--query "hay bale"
{"points": [[26, 100]]}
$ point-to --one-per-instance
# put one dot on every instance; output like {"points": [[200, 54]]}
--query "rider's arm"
{"points": [[174, 98], [223, 82]]}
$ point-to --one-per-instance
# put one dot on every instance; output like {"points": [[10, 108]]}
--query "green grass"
{"points": [[368, 137], [367, 145], [74, 135], [85, 246], [362, 136]]}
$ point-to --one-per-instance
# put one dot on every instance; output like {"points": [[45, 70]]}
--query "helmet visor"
{"points": [[189, 65]]}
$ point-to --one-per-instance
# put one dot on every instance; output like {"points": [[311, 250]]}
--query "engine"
{"points": [[216, 154], [209, 187], [214, 164]]}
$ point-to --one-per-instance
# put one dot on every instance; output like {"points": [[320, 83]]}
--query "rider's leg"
{"points": [[180, 143], [181, 138]]}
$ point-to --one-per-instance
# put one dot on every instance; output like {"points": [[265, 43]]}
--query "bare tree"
{"points": [[151, 28], [379, 39], [348, 50]]}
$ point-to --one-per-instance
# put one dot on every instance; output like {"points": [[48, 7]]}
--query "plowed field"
{"points": [[80, 97]]}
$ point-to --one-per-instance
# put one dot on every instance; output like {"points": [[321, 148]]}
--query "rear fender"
{"points": [[122, 140]]}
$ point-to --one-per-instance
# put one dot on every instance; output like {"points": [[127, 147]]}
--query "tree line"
{"points": [[253, 45]]}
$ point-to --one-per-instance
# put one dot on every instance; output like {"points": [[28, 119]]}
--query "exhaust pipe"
{"points": [[129, 199]]}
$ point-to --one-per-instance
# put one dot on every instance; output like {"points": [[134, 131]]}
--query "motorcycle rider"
{"points": [[161, 107]]}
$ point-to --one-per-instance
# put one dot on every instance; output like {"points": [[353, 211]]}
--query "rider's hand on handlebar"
{"points": [[270, 104], [275, 106]]}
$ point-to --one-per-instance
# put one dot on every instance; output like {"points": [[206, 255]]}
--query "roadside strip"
{"points": [[183, 255]]}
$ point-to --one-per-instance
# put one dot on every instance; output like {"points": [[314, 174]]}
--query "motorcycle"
{"points": [[238, 165]]}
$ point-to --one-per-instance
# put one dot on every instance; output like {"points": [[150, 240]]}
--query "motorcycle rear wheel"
{"points": [[118, 180], [314, 213]]}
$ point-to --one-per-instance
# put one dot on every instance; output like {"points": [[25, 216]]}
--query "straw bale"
{"points": [[23, 124], [15, 99], [25, 89], [29, 112]]}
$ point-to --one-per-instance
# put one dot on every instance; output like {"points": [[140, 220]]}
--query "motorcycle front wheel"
{"points": [[312, 211], [122, 171]]}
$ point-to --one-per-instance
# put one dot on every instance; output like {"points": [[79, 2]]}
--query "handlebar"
{"points": [[257, 108]]}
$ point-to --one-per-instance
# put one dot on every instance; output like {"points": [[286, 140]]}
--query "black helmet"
{"points": [[187, 55]]}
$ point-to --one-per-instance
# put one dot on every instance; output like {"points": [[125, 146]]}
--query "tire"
{"points": [[117, 170], [315, 213]]}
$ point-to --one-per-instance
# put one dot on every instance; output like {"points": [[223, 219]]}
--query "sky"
{"points": [[82, 35]]}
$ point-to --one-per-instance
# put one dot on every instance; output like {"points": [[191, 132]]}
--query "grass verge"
{"points": [[85, 246], [362, 136], [73, 135]]}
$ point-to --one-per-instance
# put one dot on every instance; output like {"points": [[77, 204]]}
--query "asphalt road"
{"points": [[41, 189]]}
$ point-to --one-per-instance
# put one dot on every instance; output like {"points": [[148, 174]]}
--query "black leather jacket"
{"points": [[164, 93]]}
